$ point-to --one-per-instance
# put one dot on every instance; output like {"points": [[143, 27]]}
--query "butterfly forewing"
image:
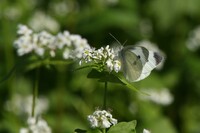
{"points": [[131, 64]]}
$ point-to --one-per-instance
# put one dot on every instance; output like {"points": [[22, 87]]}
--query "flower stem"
{"points": [[105, 95], [104, 130], [35, 92]]}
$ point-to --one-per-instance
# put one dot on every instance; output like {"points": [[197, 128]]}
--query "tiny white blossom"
{"points": [[110, 65], [93, 120], [39, 51], [63, 39], [24, 30], [66, 54], [101, 119], [193, 42], [52, 53], [24, 45], [45, 38], [117, 65], [23, 130], [146, 131]]}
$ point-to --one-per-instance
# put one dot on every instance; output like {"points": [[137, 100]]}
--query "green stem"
{"points": [[35, 92], [104, 130], [105, 95]]}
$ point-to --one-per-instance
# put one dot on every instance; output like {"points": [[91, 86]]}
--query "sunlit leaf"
{"points": [[123, 127]]}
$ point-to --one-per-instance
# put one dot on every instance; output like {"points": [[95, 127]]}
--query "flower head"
{"points": [[193, 42], [146, 131], [36, 126], [101, 119], [18, 105], [161, 97], [70, 45], [104, 57]]}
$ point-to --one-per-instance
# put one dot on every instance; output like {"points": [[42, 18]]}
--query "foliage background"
{"points": [[73, 96]]}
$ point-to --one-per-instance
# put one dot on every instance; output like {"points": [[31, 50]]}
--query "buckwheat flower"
{"points": [[146, 131], [23, 45], [93, 121], [23, 130], [63, 39], [36, 126], [39, 51], [52, 53], [39, 43], [193, 42], [23, 30], [22, 105], [48, 22], [162, 96], [102, 57], [101, 119], [109, 52], [66, 54], [45, 38], [109, 64], [80, 46], [61, 8], [12, 12], [87, 54], [117, 65]]}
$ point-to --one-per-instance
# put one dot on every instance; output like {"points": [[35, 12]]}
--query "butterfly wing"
{"points": [[138, 62], [131, 64], [153, 60]]}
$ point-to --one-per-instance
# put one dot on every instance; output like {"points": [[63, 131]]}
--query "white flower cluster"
{"points": [[162, 97], [48, 22], [22, 105], [43, 44], [36, 126], [193, 42], [103, 56], [101, 119], [146, 131]]}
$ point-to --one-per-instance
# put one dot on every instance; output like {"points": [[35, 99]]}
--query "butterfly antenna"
{"points": [[124, 43], [114, 38]]}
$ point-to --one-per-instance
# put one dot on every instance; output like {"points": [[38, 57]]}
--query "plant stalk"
{"points": [[105, 96], [35, 92]]}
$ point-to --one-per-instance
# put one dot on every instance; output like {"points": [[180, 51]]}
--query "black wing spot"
{"points": [[158, 58], [135, 62]]}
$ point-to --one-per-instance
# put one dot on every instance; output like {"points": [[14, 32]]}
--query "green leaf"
{"points": [[7, 76], [80, 131], [94, 131], [38, 63], [123, 127], [87, 131], [128, 84]]}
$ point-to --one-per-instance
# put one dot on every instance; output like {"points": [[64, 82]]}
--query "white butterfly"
{"points": [[137, 62]]}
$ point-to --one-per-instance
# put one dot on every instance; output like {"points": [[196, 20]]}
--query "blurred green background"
{"points": [[72, 96]]}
